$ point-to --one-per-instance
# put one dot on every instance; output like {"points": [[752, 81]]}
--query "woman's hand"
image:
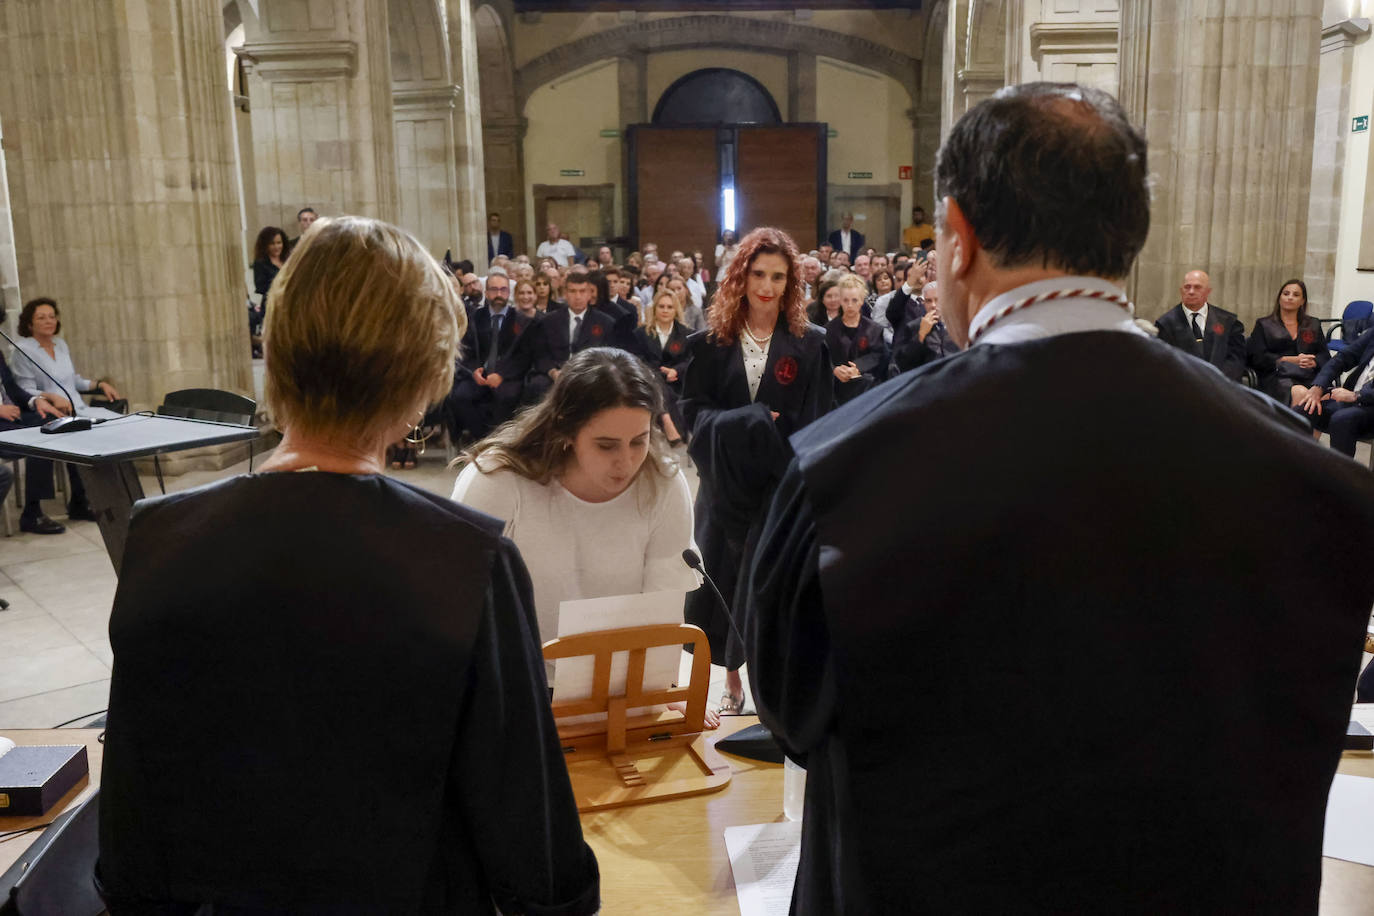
{"points": [[59, 403], [108, 390], [669, 373], [44, 408], [9, 411], [1307, 361]]}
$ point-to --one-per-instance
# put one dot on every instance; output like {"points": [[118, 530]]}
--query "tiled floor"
{"points": [[54, 645]]}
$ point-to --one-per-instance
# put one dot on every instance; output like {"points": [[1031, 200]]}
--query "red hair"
{"points": [[729, 306]]}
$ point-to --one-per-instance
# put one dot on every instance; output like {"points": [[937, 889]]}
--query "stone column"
{"points": [[1328, 160], [632, 81], [426, 172], [926, 145], [801, 87], [1227, 94], [504, 154], [319, 76], [121, 171], [468, 156], [9, 265]]}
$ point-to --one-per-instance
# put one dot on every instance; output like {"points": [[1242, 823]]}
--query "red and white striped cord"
{"points": [[1046, 297]]}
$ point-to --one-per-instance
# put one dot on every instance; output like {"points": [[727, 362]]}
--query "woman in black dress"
{"points": [[664, 345], [366, 650], [857, 349], [268, 257], [1287, 347], [759, 373]]}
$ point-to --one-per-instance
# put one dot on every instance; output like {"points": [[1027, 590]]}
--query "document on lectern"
{"points": [[764, 858], [1349, 816], [572, 677]]}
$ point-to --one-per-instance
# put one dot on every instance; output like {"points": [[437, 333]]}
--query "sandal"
{"points": [[731, 705]]}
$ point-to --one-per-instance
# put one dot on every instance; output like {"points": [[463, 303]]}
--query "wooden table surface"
{"points": [[669, 857]]}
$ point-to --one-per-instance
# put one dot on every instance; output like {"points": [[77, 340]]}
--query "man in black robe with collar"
{"points": [[1207, 331], [1081, 694]]}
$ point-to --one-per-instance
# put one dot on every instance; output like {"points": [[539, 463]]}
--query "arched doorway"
{"points": [[716, 95]]}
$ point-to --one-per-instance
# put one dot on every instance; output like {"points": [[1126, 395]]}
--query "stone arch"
{"points": [[503, 127], [419, 52], [713, 30]]}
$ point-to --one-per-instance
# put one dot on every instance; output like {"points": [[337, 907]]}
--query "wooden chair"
{"points": [[633, 757]]}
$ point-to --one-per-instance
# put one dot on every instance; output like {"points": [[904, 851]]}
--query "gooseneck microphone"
{"points": [[18, 349], [693, 559]]}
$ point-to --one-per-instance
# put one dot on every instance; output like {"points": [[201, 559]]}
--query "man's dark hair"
{"points": [[464, 267], [927, 244], [304, 210], [577, 278], [1050, 174]]}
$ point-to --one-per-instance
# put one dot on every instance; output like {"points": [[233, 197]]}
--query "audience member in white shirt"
{"points": [[556, 247]]}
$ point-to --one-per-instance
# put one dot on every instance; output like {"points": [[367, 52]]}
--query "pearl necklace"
{"points": [[760, 341]]}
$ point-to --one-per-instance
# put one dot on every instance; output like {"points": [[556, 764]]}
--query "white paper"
{"points": [[1363, 713], [1350, 820], [572, 677], [764, 859]]}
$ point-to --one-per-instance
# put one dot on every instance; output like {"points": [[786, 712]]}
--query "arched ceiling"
{"points": [[494, 66], [419, 47]]}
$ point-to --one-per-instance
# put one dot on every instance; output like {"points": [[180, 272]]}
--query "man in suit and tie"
{"points": [[1345, 411], [1121, 549], [1198, 327], [847, 238], [569, 329], [499, 241], [488, 384]]}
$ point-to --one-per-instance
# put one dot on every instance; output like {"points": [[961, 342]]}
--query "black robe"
{"points": [[1049, 710], [1270, 340], [329, 696], [674, 355], [740, 453], [867, 351]]}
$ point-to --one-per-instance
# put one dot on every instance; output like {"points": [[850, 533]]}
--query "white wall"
{"points": [[1349, 283]]}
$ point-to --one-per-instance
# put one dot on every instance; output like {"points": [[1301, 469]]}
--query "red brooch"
{"points": [[516, 328], [597, 330], [1307, 336], [785, 371], [675, 347], [1218, 330], [863, 344]]}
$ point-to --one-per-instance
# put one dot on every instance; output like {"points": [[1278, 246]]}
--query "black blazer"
{"points": [[554, 348], [507, 246], [17, 395], [1353, 359], [1223, 340], [264, 272], [856, 243], [1270, 340], [382, 741], [673, 356], [868, 351], [902, 307], [477, 340], [1193, 774], [625, 318]]}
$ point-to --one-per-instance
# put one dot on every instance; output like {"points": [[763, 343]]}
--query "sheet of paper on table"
{"points": [[1363, 713], [572, 677], [1349, 816], [764, 859]]}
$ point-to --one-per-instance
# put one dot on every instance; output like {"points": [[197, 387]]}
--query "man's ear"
{"points": [[961, 239]]}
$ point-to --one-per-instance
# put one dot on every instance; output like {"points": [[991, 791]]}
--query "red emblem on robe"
{"points": [[1307, 336], [675, 347], [1218, 330], [597, 330], [863, 344], [516, 328], [785, 371]]}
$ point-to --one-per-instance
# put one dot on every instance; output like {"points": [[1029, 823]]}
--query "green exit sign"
{"points": [[1360, 123], [865, 175], [609, 132], [571, 173], [832, 132]]}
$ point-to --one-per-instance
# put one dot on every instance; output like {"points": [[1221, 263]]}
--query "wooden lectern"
{"points": [[633, 757]]}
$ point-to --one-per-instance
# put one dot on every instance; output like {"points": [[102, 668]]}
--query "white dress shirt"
{"points": [[1058, 316], [755, 358], [1201, 314]]}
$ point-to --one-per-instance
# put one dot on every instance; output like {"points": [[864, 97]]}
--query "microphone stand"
{"points": [[754, 742]]}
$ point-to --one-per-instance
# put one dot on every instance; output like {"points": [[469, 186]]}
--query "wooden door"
{"points": [[675, 188], [780, 180]]}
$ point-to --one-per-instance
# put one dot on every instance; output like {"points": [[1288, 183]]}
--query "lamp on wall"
{"points": [[727, 209]]}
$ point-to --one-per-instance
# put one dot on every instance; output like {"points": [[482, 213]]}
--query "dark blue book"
{"points": [[34, 777]]}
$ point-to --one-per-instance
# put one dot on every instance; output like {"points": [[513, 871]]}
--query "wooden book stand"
{"points": [[628, 759]]}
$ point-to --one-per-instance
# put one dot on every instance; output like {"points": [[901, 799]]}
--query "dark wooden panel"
{"points": [[676, 188], [778, 173]]}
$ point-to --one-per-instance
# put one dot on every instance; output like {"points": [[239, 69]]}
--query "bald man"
{"points": [[1198, 327]]}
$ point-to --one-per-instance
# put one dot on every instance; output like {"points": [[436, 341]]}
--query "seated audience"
{"points": [[624, 317], [826, 306], [1287, 346], [491, 375], [857, 350], [692, 316], [1198, 327], [269, 254], [664, 345], [811, 275], [564, 331], [557, 248], [924, 338], [687, 269], [543, 293], [1345, 410], [20, 409], [389, 746]]}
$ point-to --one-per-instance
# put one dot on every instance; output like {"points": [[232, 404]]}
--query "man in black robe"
{"points": [[1095, 687]]}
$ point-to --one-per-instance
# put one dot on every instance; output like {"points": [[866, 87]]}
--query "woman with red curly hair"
{"points": [[759, 372]]}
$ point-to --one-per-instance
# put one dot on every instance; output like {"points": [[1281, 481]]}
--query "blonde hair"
{"points": [[653, 305], [362, 329], [853, 281]]}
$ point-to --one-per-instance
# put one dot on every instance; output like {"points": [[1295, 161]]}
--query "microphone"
{"points": [[18, 349], [693, 560]]}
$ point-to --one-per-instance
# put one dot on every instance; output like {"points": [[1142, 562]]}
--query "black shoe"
{"points": [[4, 605], [80, 512], [40, 524]]}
